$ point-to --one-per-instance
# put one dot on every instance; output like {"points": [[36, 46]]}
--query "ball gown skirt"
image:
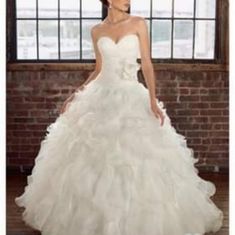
{"points": [[107, 167]]}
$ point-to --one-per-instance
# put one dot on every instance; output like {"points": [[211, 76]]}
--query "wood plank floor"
{"points": [[16, 183]]}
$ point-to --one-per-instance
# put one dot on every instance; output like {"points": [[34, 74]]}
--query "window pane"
{"points": [[204, 39], [69, 8], [26, 39], [26, 8], [47, 8], [48, 39], [205, 8], [183, 8], [140, 7], [183, 38], [161, 33], [70, 39], [162, 9], [91, 8], [87, 46]]}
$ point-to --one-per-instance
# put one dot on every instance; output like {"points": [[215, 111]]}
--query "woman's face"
{"points": [[122, 5]]}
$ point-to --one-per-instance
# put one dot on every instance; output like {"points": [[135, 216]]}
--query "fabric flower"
{"points": [[129, 69]]}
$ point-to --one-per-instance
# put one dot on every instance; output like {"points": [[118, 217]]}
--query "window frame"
{"points": [[217, 45]]}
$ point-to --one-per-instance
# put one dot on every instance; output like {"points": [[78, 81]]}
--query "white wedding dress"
{"points": [[107, 166]]}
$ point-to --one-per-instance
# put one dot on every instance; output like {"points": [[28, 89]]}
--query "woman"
{"points": [[108, 165], [118, 22]]}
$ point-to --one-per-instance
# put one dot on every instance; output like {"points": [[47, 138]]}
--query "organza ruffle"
{"points": [[107, 167]]}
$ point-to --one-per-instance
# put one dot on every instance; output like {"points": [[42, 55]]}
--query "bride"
{"points": [[112, 163], [116, 26]]}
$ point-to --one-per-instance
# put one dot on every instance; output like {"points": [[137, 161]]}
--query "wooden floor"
{"points": [[16, 183]]}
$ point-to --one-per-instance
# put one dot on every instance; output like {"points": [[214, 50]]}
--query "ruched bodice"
{"points": [[119, 60]]}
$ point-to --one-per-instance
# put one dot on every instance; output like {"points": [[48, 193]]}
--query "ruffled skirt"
{"points": [[107, 167]]}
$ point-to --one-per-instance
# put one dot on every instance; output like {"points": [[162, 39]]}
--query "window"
{"points": [[179, 29], [55, 29], [59, 30]]}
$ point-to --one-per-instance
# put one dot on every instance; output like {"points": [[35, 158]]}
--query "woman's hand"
{"points": [[69, 99], [158, 113], [80, 88]]}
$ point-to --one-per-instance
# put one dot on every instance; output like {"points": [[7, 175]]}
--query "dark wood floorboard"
{"points": [[16, 184]]}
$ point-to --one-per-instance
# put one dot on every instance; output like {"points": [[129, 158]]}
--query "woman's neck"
{"points": [[115, 15]]}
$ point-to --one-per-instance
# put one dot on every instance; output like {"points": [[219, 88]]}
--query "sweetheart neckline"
{"points": [[116, 43]]}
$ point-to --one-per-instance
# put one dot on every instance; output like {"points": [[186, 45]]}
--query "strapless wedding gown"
{"points": [[107, 167]]}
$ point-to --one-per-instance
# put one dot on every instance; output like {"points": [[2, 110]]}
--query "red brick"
{"points": [[24, 120], [189, 98], [211, 98], [221, 126], [197, 133], [203, 119], [187, 112], [206, 126], [210, 112], [184, 91], [194, 91], [198, 105], [219, 119], [34, 99], [17, 113], [219, 105], [220, 141], [218, 147], [189, 126], [167, 98], [193, 141]]}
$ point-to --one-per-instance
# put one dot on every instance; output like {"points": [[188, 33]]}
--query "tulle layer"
{"points": [[107, 167]]}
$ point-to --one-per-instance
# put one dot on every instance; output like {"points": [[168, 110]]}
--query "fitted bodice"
{"points": [[119, 59]]}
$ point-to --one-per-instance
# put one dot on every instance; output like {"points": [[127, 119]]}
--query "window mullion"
{"points": [[217, 36], [80, 31], [172, 27], [14, 40], [194, 25], [37, 40], [59, 56]]}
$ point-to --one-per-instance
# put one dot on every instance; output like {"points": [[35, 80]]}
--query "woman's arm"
{"points": [[97, 70], [146, 63], [147, 66], [93, 75]]}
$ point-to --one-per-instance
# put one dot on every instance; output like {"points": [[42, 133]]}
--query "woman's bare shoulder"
{"points": [[95, 29], [136, 18], [97, 26], [138, 22]]}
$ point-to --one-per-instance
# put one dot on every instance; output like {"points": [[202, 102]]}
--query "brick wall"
{"points": [[196, 101]]}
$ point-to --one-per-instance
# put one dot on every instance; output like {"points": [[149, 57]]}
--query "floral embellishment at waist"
{"points": [[129, 69]]}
